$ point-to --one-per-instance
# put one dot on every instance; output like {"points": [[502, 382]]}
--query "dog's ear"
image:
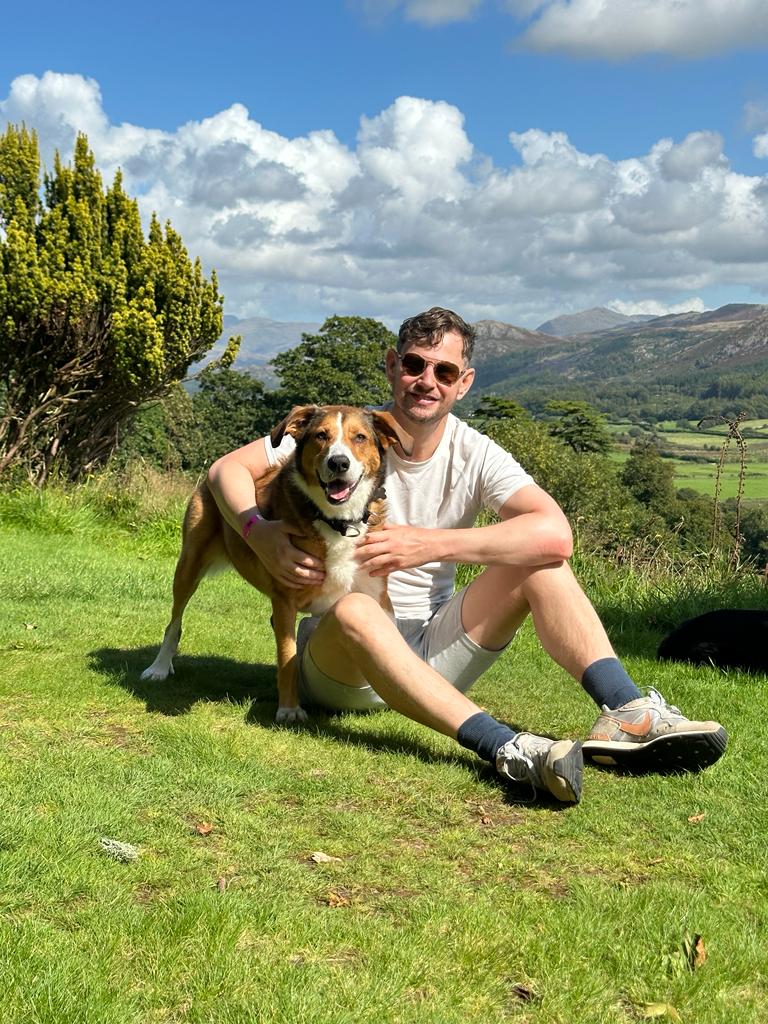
{"points": [[294, 423], [389, 431]]}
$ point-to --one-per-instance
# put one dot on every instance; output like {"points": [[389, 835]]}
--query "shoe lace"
{"points": [[517, 765], [657, 698]]}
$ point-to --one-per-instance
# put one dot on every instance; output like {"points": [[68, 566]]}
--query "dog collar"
{"points": [[346, 526]]}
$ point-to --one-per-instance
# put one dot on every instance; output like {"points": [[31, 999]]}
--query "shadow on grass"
{"points": [[212, 678], [197, 679]]}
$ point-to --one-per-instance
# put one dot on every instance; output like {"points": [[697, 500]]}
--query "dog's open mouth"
{"points": [[338, 491]]}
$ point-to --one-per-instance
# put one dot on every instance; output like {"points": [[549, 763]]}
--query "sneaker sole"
{"points": [[563, 771], [676, 752]]}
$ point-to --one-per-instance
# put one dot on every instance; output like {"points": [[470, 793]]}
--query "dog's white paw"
{"points": [[291, 716], [157, 673]]}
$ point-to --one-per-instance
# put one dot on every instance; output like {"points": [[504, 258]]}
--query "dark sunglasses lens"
{"points": [[414, 366], [447, 373]]}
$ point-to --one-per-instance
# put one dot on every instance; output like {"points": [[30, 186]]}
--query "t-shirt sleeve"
{"points": [[277, 456], [502, 475]]}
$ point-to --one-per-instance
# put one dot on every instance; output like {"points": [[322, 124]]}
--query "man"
{"points": [[423, 663]]}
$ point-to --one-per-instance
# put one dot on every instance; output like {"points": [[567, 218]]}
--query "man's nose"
{"points": [[428, 374]]}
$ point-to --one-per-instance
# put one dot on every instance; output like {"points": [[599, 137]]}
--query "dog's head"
{"points": [[339, 453]]}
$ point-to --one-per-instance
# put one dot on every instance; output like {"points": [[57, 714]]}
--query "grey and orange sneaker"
{"points": [[647, 734], [552, 766]]}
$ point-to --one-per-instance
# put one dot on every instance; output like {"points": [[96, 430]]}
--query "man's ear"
{"points": [[389, 431], [466, 383], [297, 421], [390, 367]]}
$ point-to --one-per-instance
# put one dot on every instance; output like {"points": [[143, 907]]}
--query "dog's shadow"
{"points": [[198, 678], [217, 679]]}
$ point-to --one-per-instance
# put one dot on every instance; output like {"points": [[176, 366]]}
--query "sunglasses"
{"points": [[445, 373]]}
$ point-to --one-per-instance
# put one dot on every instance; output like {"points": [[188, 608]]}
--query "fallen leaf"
{"points": [[30, 625], [485, 820], [222, 884], [696, 818], [695, 952], [656, 860], [204, 828], [525, 993], [649, 1011], [323, 858], [335, 899]]}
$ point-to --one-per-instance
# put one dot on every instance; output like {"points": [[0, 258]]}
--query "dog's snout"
{"points": [[338, 464]]}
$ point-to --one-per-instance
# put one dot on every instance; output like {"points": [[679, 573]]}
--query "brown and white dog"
{"points": [[331, 489]]}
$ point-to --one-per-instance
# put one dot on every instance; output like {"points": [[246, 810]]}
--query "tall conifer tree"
{"points": [[94, 317]]}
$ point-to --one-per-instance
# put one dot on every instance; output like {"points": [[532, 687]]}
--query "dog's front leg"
{"points": [[284, 624]]}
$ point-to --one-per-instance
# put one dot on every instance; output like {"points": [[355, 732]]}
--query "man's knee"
{"points": [[355, 614]]}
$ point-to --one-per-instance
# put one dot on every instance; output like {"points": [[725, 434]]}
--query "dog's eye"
{"points": [[360, 438], [321, 435]]}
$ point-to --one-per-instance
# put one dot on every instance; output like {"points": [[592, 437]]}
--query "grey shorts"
{"points": [[440, 641]]}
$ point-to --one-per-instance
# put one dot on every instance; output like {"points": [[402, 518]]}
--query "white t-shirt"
{"points": [[467, 472]]}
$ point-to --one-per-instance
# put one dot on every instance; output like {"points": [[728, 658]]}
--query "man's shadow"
{"points": [[218, 679]]}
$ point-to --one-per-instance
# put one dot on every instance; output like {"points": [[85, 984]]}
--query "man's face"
{"points": [[421, 397]]}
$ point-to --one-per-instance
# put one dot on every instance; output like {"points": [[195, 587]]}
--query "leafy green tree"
{"points": [[342, 365], [94, 318], [231, 409], [650, 479], [164, 433], [495, 407], [579, 425]]}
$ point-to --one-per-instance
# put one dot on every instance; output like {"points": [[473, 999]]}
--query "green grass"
{"points": [[453, 899]]}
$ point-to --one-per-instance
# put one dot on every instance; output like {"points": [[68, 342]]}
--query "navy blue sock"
{"points": [[484, 735], [607, 682]]}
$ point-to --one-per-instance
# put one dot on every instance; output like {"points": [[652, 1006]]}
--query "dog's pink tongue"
{"points": [[338, 490]]}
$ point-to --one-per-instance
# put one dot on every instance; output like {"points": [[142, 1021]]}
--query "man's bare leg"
{"points": [[375, 651], [498, 601]]}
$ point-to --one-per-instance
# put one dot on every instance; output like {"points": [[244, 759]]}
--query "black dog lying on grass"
{"points": [[728, 638]]}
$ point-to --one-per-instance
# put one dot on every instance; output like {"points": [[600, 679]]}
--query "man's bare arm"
{"points": [[533, 531], [231, 481]]}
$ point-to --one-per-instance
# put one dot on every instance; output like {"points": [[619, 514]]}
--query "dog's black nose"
{"points": [[338, 464]]}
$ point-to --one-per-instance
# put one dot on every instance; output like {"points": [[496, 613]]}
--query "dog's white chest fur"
{"points": [[342, 573]]}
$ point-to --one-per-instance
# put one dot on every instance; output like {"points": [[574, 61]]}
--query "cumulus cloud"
{"points": [[627, 28], [606, 29], [412, 216]]}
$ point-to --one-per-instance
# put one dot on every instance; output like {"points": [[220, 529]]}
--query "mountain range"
{"points": [[733, 336]]}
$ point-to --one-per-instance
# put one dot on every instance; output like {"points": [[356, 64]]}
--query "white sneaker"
{"points": [[554, 766]]}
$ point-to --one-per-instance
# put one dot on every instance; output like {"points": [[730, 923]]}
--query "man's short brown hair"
{"points": [[430, 327]]}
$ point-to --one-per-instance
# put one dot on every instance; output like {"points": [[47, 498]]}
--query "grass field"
{"points": [[452, 899]]}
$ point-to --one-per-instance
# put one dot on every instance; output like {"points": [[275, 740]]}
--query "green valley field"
{"points": [[696, 453]]}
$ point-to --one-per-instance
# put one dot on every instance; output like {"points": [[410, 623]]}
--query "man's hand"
{"points": [[289, 565], [396, 547]]}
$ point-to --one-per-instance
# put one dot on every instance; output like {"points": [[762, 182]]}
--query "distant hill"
{"points": [[494, 339], [588, 321], [262, 340], [733, 336]]}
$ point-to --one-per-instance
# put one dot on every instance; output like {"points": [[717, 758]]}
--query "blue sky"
{"points": [[356, 157]]}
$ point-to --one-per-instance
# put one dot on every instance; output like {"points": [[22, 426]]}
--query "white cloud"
{"points": [[425, 12], [760, 145], [617, 29], [411, 216], [650, 307]]}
